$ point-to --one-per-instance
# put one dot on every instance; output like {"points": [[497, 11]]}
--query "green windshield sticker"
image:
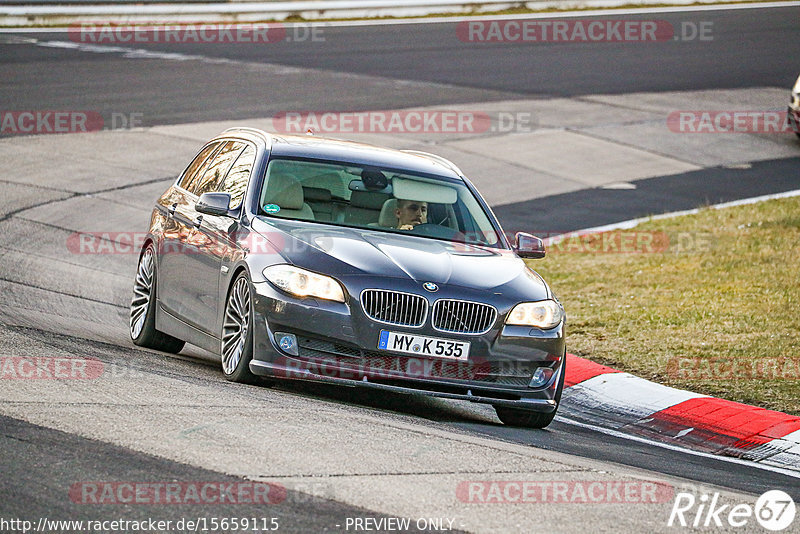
{"points": [[272, 208]]}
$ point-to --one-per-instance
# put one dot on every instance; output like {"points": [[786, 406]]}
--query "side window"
{"points": [[196, 164], [215, 173], [236, 182]]}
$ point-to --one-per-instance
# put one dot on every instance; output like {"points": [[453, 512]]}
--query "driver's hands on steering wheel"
{"points": [[406, 227]]}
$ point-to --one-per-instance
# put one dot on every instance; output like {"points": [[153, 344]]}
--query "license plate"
{"points": [[423, 345]]}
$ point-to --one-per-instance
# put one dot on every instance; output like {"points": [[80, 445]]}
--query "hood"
{"points": [[345, 251]]}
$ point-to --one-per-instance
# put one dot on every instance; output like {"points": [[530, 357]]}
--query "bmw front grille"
{"points": [[394, 307], [463, 317]]}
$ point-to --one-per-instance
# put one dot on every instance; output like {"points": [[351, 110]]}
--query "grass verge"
{"points": [[707, 302]]}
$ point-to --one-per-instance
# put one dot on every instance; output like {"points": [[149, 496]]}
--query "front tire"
{"points": [[527, 418], [142, 324], [236, 347], [523, 418]]}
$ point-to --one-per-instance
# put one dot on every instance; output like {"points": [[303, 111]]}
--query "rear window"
{"points": [[214, 173], [196, 166], [236, 182]]}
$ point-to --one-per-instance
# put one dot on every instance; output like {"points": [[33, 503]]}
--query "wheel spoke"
{"points": [[137, 312], [235, 326], [142, 291]]}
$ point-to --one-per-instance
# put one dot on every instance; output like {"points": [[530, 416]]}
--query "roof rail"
{"points": [[439, 159], [261, 134], [256, 131]]}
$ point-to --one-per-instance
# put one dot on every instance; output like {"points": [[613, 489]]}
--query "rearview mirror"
{"points": [[529, 246], [213, 203]]}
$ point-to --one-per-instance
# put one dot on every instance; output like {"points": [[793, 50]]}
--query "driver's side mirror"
{"points": [[529, 246], [213, 203]]}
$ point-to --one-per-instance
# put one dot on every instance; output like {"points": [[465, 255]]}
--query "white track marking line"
{"points": [[729, 459], [632, 223], [273, 68]]}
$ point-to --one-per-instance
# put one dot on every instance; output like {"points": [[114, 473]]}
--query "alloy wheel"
{"points": [[236, 325], [142, 291]]}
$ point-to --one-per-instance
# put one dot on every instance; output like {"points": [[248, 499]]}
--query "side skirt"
{"points": [[169, 324]]}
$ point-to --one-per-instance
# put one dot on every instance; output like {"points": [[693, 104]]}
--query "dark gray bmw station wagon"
{"points": [[297, 257]]}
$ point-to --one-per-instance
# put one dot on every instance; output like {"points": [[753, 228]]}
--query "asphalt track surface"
{"points": [[751, 48], [37, 477]]}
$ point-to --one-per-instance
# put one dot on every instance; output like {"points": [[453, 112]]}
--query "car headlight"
{"points": [[302, 283], [544, 314], [796, 88]]}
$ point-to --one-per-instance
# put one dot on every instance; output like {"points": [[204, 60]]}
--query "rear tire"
{"points": [[236, 345], [527, 418], [142, 324]]}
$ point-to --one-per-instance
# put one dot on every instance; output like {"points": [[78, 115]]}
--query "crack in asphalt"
{"points": [[45, 187], [64, 293], [17, 211], [72, 194], [128, 186], [16, 214], [101, 350], [60, 260]]}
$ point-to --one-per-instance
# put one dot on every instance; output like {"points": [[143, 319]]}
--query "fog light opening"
{"points": [[541, 377], [287, 343]]}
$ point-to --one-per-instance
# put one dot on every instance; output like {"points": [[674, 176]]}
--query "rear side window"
{"points": [[195, 166], [236, 182], [214, 174]]}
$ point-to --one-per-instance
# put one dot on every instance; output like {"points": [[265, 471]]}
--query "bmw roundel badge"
{"points": [[430, 286]]}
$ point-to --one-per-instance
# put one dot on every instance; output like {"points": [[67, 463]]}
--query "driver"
{"points": [[410, 213]]}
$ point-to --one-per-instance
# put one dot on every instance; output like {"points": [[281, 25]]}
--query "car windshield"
{"points": [[376, 199]]}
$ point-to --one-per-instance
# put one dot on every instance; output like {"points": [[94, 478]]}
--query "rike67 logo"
{"points": [[774, 510]]}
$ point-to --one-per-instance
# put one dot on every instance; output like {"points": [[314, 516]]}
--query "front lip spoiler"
{"points": [[536, 405]]}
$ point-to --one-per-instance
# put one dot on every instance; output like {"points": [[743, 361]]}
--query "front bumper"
{"points": [[337, 343]]}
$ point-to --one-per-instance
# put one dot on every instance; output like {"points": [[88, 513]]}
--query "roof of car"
{"points": [[311, 146]]}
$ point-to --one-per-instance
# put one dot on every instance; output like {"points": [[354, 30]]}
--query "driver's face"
{"points": [[411, 212]]}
